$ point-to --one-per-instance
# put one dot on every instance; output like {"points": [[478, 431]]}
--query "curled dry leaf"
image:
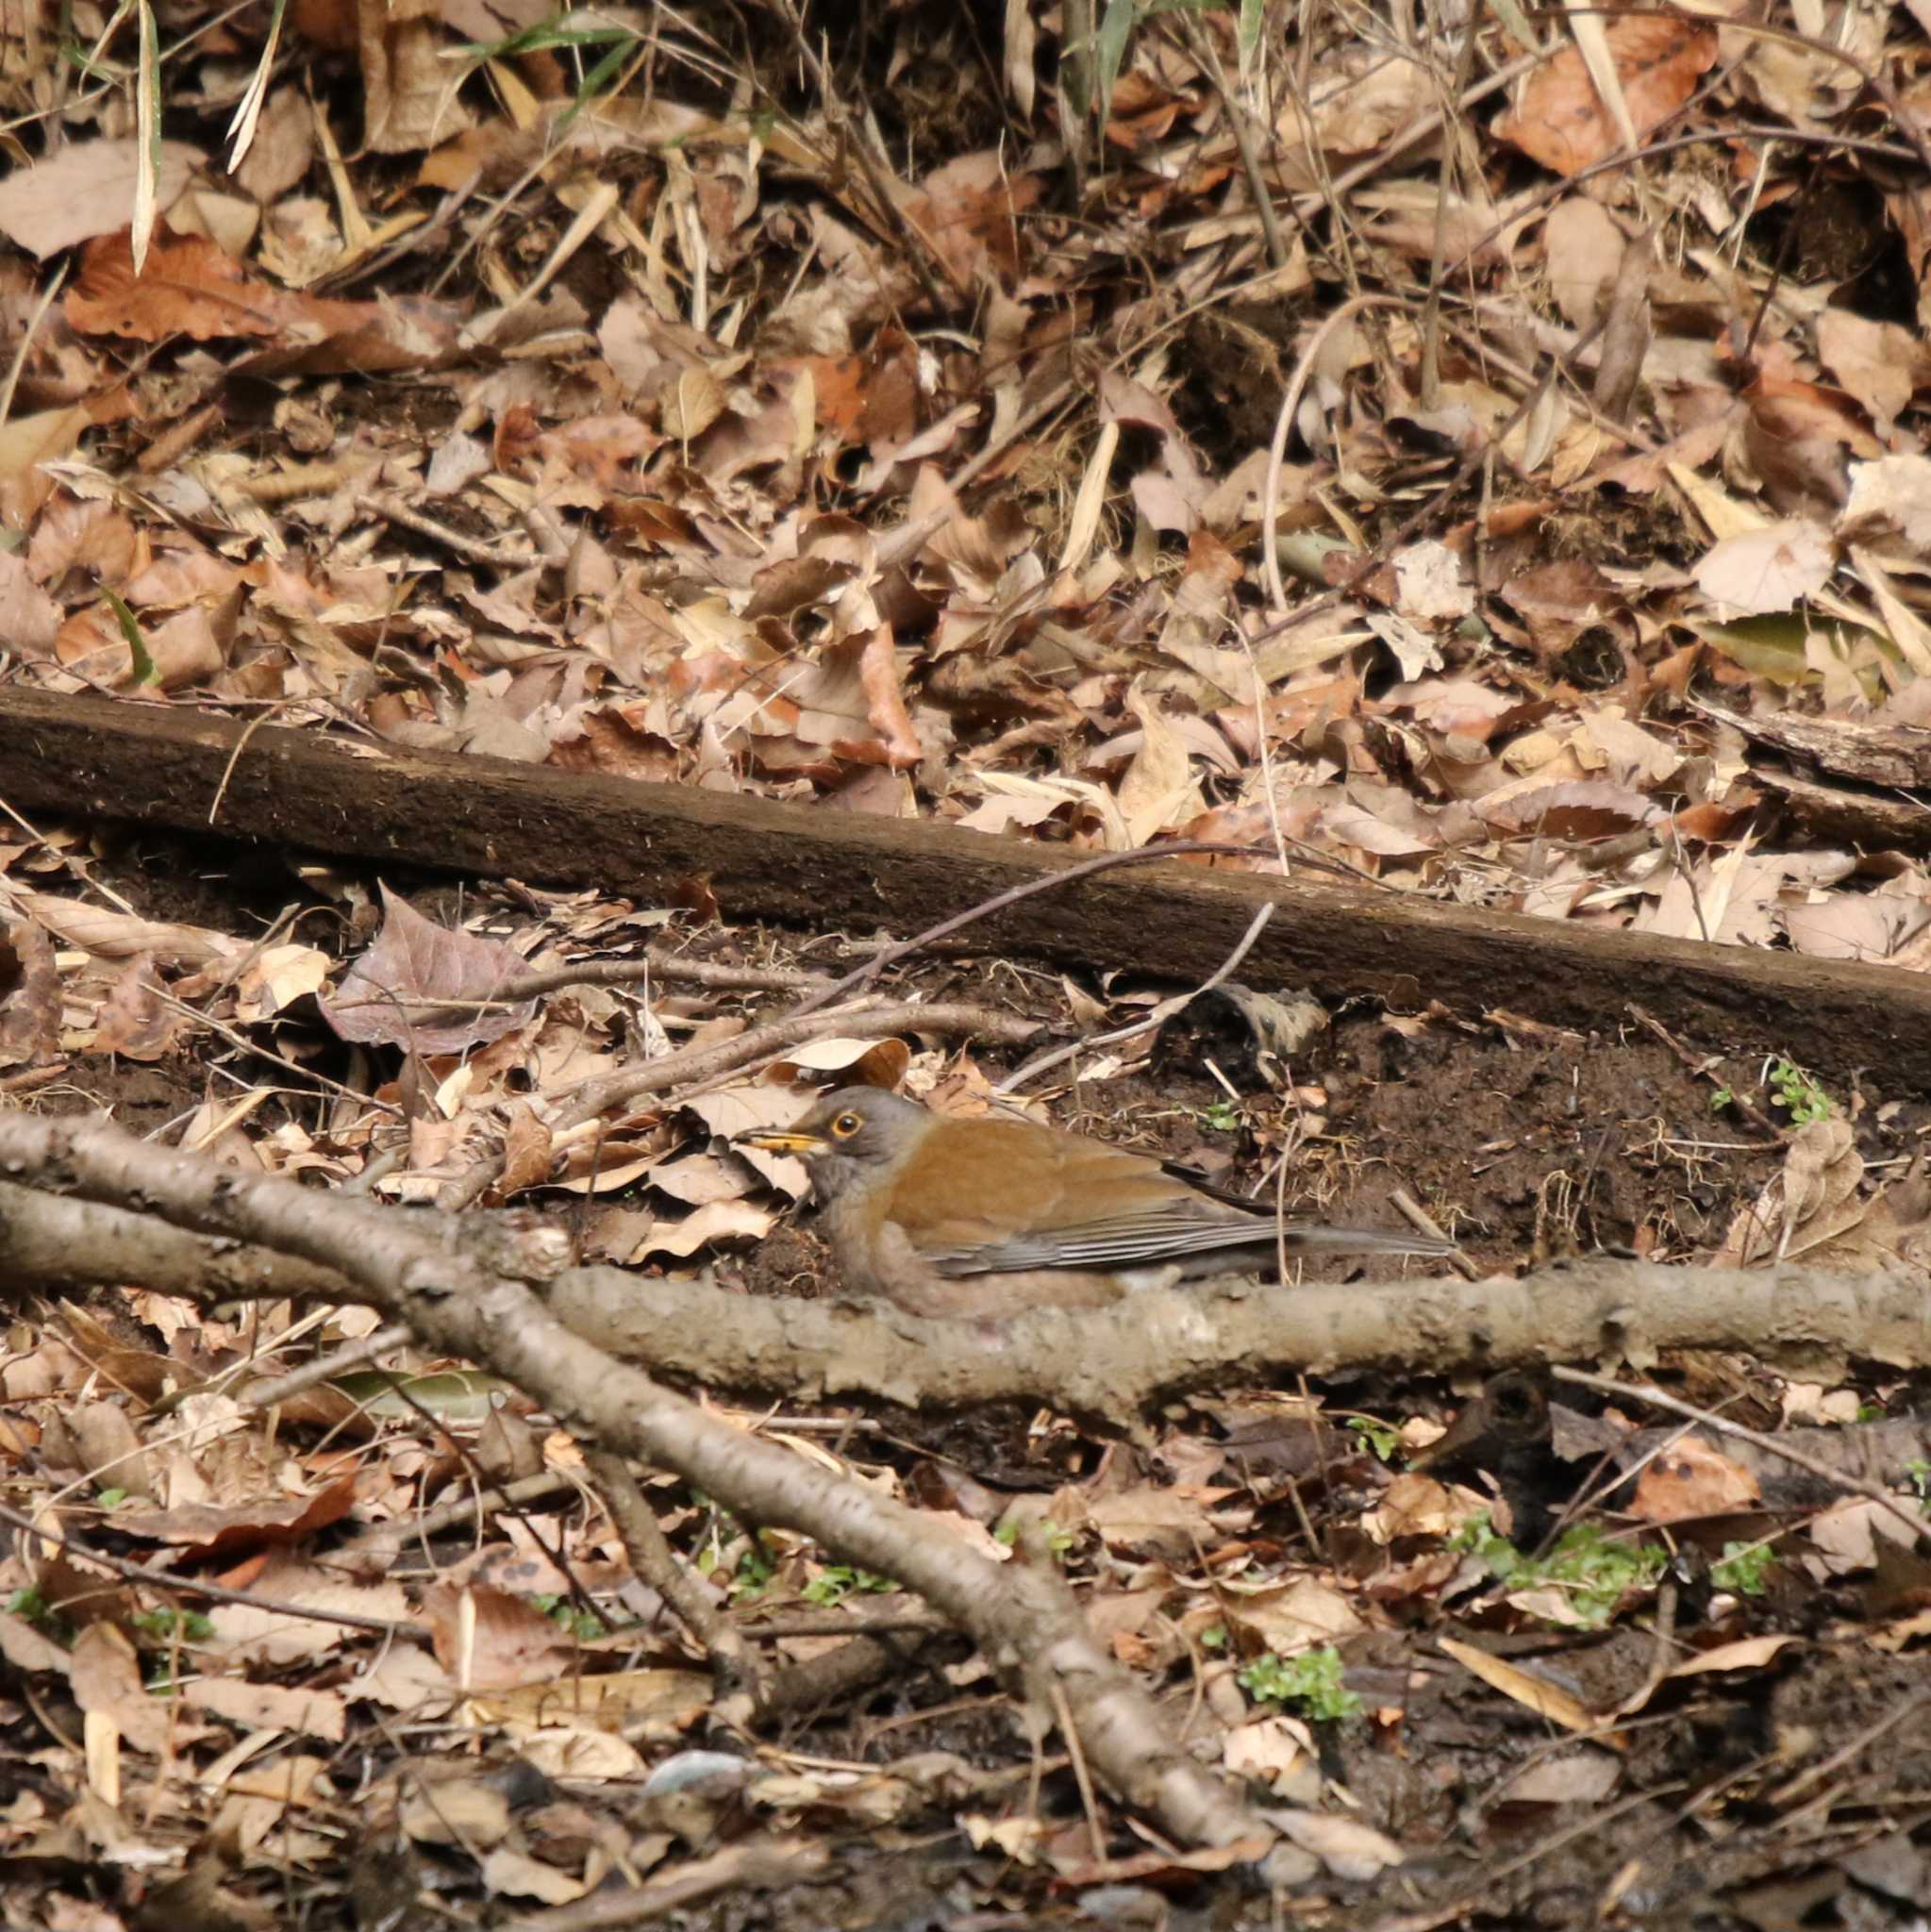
{"points": [[107, 1679], [135, 1020], [1296, 1617], [30, 1006], [1692, 1478], [1536, 1693], [1560, 119], [112, 935], [1347, 1847], [202, 1530]]}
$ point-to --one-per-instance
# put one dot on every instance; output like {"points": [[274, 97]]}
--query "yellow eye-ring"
{"points": [[846, 1126]]}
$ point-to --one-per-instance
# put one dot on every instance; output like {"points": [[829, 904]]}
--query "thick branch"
{"points": [[1116, 1361], [1109, 1362], [53, 1245]]}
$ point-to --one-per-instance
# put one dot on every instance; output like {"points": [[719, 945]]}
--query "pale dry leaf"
{"points": [[1346, 1846], [1768, 570], [1744, 1654], [29, 619], [508, 1873], [272, 1706], [714, 1221], [581, 1753], [104, 1673], [1157, 789], [1882, 364], [1855, 925], [278, 978], [1274, 1751], [1889, 508], [1583, 1776], [31, 1009], [84, 189], [1429, 583], [251, 1633], [1363, 100], [1582, 247], [455, 1811], [1293, 1618]]}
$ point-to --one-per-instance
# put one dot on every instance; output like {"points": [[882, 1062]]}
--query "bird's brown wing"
{"points": [[1064, 1201], [999, 1195]]}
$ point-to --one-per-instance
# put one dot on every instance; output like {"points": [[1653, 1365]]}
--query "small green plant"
{"points": [[1224, 1117], [585, 1626], [555, 33], [1379, 1437], [1309, 1683], [32, 1608], [1802, 1099], [1592, 1571], [754, 1568], [1920, 1473], [1214, 1638], [1743, 1569], [1057, 1541], [167, 1626], [839, 1580], [110, 1499], [1722, 1097]]}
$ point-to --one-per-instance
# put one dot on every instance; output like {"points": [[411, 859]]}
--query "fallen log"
{"points": [[167, 765]]}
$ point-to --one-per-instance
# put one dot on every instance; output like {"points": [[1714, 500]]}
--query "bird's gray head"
{"points": [[851, 1133]]}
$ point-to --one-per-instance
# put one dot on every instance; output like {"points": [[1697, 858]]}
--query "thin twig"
{"points": [[468, 548], [1701, 1066], [323, 1368], [462, 1510], [1284, 423], [657, 1564], [691, 1066], [1012, 895], [200, 1587], [763, 1865], [921, 251], [1152, 1021]]}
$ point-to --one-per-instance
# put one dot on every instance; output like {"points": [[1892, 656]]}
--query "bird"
{"points": [[949, 1218]]}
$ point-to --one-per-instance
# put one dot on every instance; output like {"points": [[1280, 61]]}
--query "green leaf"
{"points": [[1743, 1569], [1311, 1683], [1777, 646], [1116, 24], [144, 671]]}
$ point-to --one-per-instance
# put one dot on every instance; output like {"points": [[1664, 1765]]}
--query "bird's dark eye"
{"points": [[846, 1126]]}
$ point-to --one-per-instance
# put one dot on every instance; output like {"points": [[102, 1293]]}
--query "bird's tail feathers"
{"points": [[1306, 1238]]}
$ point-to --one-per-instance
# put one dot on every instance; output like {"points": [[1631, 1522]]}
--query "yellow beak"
{"points": [[781, 1141]]}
